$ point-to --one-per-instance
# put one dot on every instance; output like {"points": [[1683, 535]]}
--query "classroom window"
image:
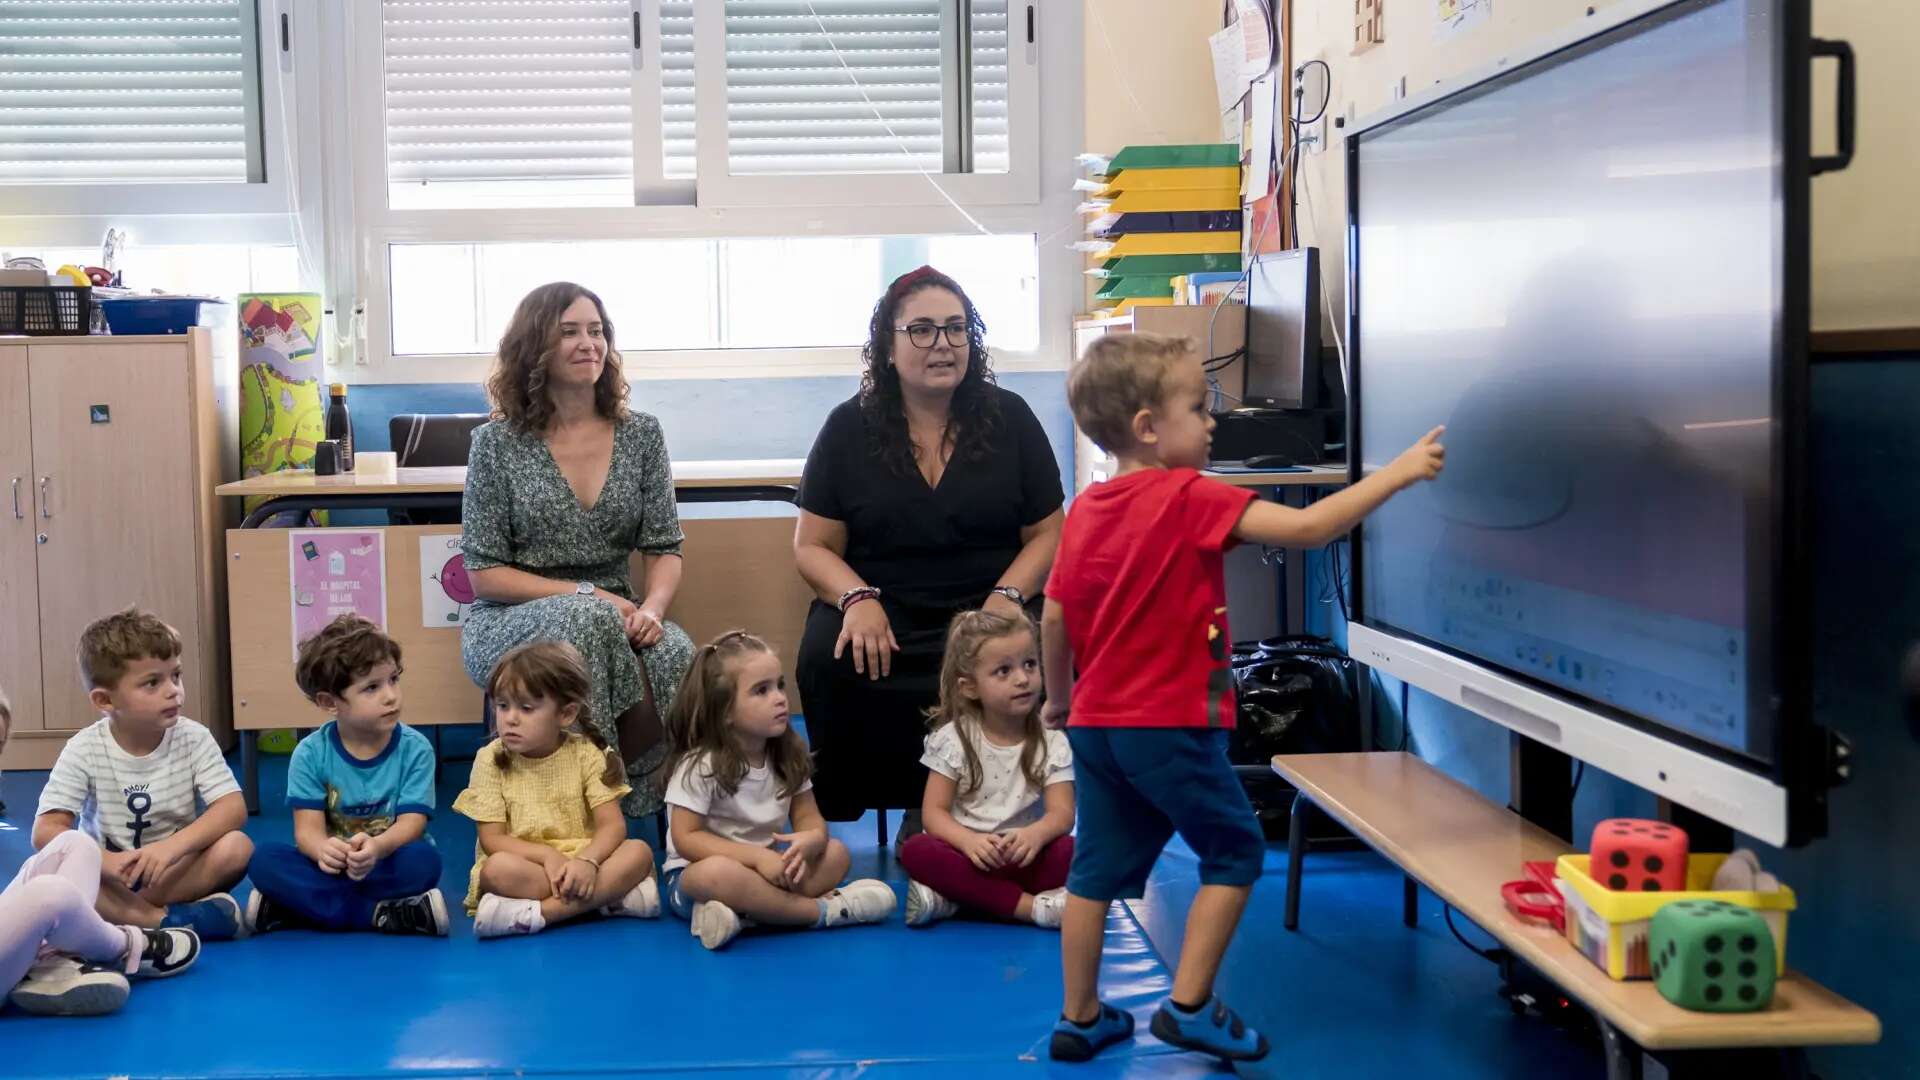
{"points": [[130, 93], [758, 293], [218, 270], [597, 103]]}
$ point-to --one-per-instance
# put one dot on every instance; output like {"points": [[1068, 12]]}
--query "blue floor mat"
{"points": [[609, 997]]}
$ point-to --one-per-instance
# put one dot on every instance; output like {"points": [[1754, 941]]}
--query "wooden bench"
{"points": [[1463, 847]]}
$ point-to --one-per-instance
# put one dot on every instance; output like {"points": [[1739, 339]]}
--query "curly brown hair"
{"points": [[111, 643], [517, 385], [973, 417], [344, 650]]}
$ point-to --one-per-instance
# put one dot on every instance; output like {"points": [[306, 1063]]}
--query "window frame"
{"points": [[1019, 185], [69, 215], [361, 225]]}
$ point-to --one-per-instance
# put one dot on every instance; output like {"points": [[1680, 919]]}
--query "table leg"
{"points": [[1623, 1057], [1409, 900], [250, 769], [1296, 847]]}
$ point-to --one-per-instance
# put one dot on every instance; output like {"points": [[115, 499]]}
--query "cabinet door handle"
{"points": [[17, 515], [46, 507]]}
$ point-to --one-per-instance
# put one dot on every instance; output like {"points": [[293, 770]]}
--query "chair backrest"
{"points": [[427, 440], [430, 439]]}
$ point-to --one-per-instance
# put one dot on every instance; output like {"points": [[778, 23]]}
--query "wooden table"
{"points": [[739, 573], [440, 487], [1463, 847]]}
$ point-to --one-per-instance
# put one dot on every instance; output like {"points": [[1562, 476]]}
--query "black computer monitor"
{"points": [[1283, 330], [1591, 266]]}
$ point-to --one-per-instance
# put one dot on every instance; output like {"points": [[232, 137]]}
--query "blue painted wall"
{"points": [[713, 418]]}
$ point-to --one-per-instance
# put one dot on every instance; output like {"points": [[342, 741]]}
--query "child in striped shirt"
{"points": [[137, 782]]}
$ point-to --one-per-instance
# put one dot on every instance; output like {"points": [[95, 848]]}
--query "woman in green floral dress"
{"points": [[562, 487]]}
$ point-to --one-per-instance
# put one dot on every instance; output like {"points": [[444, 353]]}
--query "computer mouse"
{"points": [[1270, 461]]}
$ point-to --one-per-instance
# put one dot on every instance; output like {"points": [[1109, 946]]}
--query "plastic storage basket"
{"points": [[1611, 928], [46, 310], [158, 314]]}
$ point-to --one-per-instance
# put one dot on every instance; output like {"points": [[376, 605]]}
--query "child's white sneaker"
{"points": [[60, 985], [499, 916], [1048, 907], [715, 924], [863, 901], [641, 902], [926, 907]]}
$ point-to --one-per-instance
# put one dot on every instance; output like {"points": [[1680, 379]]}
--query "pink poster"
{"points": [[336, 571]]}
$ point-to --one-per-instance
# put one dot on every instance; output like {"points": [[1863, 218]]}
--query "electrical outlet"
{"points": [[1369, 24]]}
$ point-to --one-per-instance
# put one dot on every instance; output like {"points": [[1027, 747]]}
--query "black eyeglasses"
{"points": [[923, 334]]}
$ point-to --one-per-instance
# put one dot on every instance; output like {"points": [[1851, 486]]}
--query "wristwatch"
{"points": [[584, 588], [1010, 593]]}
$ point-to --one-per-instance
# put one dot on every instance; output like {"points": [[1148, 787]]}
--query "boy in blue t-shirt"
{"points": [[361, 789]]}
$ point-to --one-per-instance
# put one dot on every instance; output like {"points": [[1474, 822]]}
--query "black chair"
{"points": [[431, 439]]}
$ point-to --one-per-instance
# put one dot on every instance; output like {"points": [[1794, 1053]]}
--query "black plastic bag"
{"points": [[1297, 695]]}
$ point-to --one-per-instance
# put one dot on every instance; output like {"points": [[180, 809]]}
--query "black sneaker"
{"points": [[264, 916], [425, 915], [169, 951]]}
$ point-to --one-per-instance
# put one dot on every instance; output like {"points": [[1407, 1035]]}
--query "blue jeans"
{"points": [[335, 901]]}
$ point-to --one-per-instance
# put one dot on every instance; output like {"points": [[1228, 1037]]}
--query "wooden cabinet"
{"points": [[114, 446], [1227, 334]]}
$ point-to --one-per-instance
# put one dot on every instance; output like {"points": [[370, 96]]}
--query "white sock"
{"points": [[136, 948]]}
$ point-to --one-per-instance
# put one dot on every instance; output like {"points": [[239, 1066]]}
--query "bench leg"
{"points": [[1409, 901], [250, 769], [1623, 1057], [1296, 847]]}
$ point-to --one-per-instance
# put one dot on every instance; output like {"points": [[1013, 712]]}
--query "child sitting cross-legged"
{"points": [[546, 795], [361, 789], [999, 801], [739, 775]]}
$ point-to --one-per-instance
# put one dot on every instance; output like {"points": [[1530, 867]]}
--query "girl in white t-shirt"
{"points": [[746, 844], [999, 801]]}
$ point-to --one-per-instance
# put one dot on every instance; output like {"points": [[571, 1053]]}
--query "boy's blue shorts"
{"points": [[1136, 787]]}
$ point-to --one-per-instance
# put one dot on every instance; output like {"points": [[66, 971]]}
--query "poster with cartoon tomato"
{"points": [[445, 591]]}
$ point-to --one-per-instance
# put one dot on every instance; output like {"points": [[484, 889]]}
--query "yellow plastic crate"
{"points": [[1612, 928]]}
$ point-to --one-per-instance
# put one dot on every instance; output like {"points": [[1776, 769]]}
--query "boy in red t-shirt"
{"points": [[1137, 606]]}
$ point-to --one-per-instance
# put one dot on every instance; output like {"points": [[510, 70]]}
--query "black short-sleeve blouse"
{"points": [[932, 550]]}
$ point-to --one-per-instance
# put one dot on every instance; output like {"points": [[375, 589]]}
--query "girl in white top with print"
{"points": [[999, 801], [740, 775]]}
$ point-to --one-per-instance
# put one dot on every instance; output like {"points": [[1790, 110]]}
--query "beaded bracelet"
{"points": [[856, 594]]}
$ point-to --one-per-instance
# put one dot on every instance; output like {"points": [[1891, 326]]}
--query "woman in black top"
{"points": [[931, 491]]}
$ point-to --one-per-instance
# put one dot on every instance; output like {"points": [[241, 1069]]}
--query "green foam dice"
{"points": [[1712, 956]]}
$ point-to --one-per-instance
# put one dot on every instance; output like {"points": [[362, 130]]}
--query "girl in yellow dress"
{"points": [[546, 795]]}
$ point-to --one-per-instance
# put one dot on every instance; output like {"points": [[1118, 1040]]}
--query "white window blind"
{"points": [[857, 86], [105, 91], [509, 102]]}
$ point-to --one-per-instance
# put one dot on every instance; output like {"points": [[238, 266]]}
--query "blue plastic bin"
{"points": [[159, 314]]}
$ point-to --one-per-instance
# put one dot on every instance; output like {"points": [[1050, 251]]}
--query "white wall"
{"points": [[1866, 229]]}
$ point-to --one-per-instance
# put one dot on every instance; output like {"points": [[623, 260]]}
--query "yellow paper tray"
{"points": [[1613, 928], [1161, 202], [1193, 243], [1227, 176]]}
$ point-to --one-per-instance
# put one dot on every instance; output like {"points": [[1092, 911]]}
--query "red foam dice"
{"points": [[1630, 855]]}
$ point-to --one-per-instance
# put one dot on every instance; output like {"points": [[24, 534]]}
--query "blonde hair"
{"points": [[967, 634], [552, 671], [1119, 375], [697, 722], [110, 644]]}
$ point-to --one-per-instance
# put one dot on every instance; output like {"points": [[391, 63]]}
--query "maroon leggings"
{"points": [[941, 867]]}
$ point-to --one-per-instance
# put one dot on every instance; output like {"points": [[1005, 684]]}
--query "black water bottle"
{"points": [[340, 425]]}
